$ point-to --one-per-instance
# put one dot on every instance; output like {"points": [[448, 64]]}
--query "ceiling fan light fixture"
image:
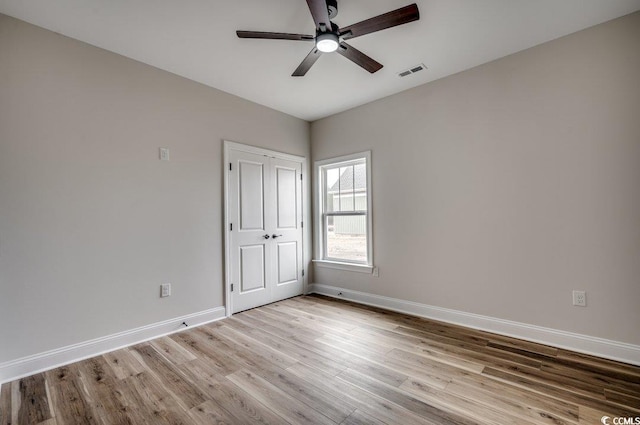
{"points": [[327, 42]]}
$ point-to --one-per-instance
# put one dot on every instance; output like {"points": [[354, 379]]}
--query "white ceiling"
{"points": [[196, 39]]}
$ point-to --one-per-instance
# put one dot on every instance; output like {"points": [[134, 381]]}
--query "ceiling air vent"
{"points": [[412, 70]]}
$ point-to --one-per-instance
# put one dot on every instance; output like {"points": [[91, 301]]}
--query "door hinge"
{"points": [[302, 224], [300, 177], [230, 167], [232, 287], [230, 226], [302, 272]]}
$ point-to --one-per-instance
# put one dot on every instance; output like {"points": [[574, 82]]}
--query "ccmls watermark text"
{"points": [[620, 420]]}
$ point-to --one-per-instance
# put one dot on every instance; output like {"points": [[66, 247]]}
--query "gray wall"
{"points": [[499, 190], [496, 191], [91, 222]]}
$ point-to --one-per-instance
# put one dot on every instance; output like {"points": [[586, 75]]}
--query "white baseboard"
{"points": [[600, 347], [37, 363]]}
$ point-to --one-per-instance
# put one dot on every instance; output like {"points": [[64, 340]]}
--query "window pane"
{"points": [[347, 238], [332, 191], [360, 184], [346, 188]]}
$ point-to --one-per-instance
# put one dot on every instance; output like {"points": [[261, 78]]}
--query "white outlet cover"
{"points": [[580, 298], [165, 290]]}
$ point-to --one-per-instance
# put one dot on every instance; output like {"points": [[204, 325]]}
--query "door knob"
{"points": [[275, 236], [266, 236]]}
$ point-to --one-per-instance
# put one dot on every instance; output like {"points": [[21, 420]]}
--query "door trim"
{"points": [[306, 212]]}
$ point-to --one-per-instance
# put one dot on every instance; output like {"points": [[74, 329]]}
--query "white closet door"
{"points": [[265, 234], [287, 225]]}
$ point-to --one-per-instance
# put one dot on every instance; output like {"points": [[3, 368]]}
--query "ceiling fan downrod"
{"points": [[332, 8]]}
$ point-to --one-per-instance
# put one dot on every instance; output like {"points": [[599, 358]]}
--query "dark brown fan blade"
{"points": [[359, 58], [320, 13], [311, 58], [387, 20], [274, 35]]}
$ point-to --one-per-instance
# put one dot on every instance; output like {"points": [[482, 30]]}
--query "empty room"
{"points": [[321, 212]]}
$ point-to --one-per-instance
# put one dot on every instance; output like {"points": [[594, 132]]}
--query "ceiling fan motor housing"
{"points": [[327, 41]]}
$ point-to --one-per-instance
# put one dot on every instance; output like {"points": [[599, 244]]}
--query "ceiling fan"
{"points": [[331, 38]]}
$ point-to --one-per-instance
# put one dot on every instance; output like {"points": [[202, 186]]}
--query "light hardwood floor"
{"points": [[321, 361]]}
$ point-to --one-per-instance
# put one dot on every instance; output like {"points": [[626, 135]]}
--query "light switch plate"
{"points": [[164, 154]]}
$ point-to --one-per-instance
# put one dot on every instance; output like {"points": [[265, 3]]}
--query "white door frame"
{"points": [[306, 213]]}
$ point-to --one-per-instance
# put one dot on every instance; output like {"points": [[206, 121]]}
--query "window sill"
{"points": [[359, 268]]}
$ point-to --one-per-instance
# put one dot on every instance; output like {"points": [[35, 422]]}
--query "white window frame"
{"points": [[320, 220]]}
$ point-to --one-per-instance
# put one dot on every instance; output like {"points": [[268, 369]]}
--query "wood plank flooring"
{"points": [[314, 360]]}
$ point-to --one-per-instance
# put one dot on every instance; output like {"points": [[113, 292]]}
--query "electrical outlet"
{"points": [[165, 290], [376, 272], [580, 298]]}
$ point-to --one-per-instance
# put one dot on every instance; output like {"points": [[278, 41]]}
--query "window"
{"points": [[343, 216]]}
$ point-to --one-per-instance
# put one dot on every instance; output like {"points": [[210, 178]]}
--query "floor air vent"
{"points": [[412, 70]]}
